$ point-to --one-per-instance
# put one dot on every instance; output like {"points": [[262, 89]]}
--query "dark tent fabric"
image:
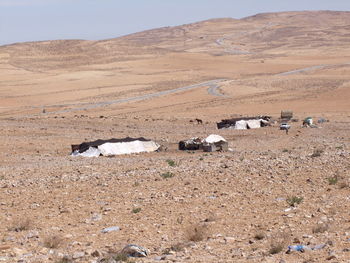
{"points": [[86, 145]]}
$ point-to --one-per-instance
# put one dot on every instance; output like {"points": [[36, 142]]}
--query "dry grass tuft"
{"points": [[343, 185], [259, 236], [53, 241], [64, 260], [197, 232], [278, 243], [20, 225], [276, 248], [178, 247], [317, 153], [320, 228], [294, 200]]}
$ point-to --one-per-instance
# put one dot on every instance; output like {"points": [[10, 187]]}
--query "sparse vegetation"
{"points": [[167, 175], [276, 248], [196, 233], [343, 185], [52, 241], [278, 242], [333, 180], [180, 220], [259, 236], [21, 224], [339, 147], [294, 200], [171, 162], [136, 210], [286, 151], [320, 228], [120, 257], [117, 257], [317, 153], [178, 247], [64, 260]]}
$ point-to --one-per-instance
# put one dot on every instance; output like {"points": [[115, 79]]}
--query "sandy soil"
{"points": [[215, 207]]}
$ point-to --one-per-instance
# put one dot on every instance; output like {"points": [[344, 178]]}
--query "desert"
{"points": [[269, 191]]}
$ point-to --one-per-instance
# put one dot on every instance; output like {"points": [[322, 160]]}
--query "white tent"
{"points": [[254, 124], [241, 125], [108, 149], [213, 138], [114, 147]]}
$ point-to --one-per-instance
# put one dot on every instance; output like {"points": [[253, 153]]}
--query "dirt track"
{"points": [[246, 205]]}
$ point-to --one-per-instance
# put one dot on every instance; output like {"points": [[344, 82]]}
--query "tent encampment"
{"points": [[244, 123], [114, 147]]}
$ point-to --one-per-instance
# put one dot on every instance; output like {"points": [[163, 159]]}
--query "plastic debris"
{"points": [[303, 248], [110, 229], [299, 248], [135, 251]]}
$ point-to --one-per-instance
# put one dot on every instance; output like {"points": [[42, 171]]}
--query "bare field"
{"points": [[247, 205]]}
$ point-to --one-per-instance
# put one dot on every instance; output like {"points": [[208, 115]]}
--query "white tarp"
{"points": [[254, 124], [117, 148], [241, 125], [213, 138], [91, 152], [127, 147]]}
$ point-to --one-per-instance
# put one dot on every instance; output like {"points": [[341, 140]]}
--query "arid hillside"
{"points": [[60, 75], [270, 190]]}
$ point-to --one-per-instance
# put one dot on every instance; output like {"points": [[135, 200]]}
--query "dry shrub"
{"points": [[259, 236], [120, 257], [276, 248], [294, 200], [178, 247], [211, 218], [320, 228], [52, 241], [278, 243], [343, 185], [65, 259], [317, 153], [20, 224], [197, 232]]}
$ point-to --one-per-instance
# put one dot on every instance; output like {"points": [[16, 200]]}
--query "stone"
{"points": [[77, 255], [4, 247], [135, 251], [159, 258], [96, 217], [110, 229], [96, 254]]}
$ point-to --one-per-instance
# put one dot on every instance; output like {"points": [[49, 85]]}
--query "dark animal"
{"points": [[199, 121]]}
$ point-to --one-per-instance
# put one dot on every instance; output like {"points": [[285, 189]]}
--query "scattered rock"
{"points": [[110, 229], [135, 251], [77, 255]]}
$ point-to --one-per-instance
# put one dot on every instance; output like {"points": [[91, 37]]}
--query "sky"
{"points": [[35, 20]]}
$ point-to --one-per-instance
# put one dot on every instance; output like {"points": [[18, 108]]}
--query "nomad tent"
{"points": [[244, 123], [214, 143], [114, 147]]}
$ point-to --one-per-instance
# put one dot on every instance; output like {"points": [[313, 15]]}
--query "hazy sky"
{"points": [[31, 20]]}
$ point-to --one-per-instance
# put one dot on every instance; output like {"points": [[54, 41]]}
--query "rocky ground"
{"points": [[270, 191], [247, 205]]}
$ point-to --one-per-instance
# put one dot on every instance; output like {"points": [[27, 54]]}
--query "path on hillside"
{"points": [[213, 84], [235, 49], [214, 90], [301, 70]]}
